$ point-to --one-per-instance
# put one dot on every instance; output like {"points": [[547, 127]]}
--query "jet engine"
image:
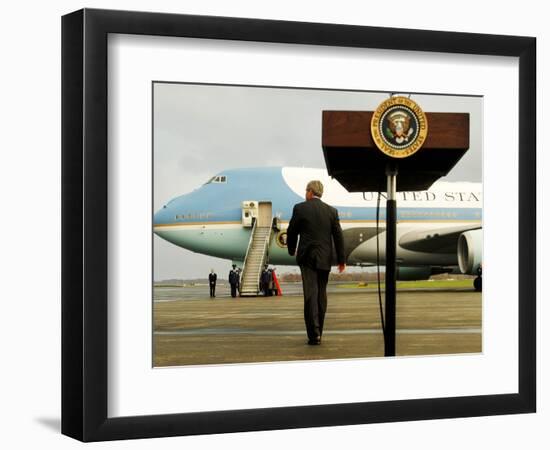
{"points": [[470, 251]]}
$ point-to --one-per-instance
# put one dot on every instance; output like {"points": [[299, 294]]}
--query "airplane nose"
{"points": [[163, 216], [168, 224]]}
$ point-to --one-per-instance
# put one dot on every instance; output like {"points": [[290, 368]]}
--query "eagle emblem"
{"points": [[399, 127]]}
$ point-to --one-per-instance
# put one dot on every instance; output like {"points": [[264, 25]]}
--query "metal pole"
{"points": [[391, 221]]}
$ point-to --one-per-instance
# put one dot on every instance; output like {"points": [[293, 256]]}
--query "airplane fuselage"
{"points": [[210, 220]]}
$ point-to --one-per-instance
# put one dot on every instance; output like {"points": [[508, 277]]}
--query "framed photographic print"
{"points": [[187, 141]]}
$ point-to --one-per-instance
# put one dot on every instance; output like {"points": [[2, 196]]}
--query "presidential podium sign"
{"points": [[358, 145]]}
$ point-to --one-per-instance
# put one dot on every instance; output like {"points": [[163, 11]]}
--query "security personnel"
{"points": [[212, 277], [234, 280], [264, 281]]}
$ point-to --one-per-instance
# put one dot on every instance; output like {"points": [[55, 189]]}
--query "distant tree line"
{"points": [[350, 276], [364, 276]]}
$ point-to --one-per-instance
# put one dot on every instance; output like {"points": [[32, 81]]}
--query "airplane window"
{"points": [[222, 179]]}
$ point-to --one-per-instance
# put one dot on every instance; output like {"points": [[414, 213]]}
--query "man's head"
{"points": [[314, 189], [234, 265], [211, 270]]}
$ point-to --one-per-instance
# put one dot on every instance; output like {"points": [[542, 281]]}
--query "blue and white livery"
{"points": [[437, 230]]}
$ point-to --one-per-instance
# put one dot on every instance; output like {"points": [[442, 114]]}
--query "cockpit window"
{"points": [[217, 179]]}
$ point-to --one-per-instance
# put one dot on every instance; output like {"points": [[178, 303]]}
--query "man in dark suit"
{"points": [[234, 280], [318, 226], [212, 277], [265, 278]]}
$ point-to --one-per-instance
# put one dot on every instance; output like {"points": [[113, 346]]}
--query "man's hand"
{"points": [[341, 268]]}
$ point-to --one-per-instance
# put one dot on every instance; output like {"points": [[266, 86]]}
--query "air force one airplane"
{"points": [[242, 215]]}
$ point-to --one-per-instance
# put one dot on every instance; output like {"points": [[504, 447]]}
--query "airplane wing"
{"points": [[438, 240], [353, 237]]}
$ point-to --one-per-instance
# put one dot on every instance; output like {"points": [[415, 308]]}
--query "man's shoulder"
{"points": [[312, 204], [328, 207], [300, 206], [333, 209]]}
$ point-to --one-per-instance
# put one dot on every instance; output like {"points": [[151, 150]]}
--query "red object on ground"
{"points": [[277, 285]]}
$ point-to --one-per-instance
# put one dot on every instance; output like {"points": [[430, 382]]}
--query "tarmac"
{"points": [[192, 329]]}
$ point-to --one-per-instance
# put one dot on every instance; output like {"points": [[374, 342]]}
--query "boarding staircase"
{"points": [[256, 257]]}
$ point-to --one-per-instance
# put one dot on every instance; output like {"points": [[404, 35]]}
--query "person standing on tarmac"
{"points": [[234, 280], [270, 283], [212, 277], [264, 281]]}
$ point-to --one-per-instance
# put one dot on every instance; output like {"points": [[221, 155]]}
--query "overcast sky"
{"points": [[200, 130]]}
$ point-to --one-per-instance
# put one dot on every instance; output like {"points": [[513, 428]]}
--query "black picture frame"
{"points": [[84, 224]]}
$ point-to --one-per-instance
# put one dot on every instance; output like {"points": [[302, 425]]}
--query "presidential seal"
{"points": [[399, 127], [281, 239]]}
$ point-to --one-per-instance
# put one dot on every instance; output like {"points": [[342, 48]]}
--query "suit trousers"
{"points": [[314, 282]]}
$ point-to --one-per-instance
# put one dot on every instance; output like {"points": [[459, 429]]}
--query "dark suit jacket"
{"points": [[318, 226], [212, 277]]}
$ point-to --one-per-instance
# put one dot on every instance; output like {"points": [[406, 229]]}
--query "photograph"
{"points": [[264, 251]]}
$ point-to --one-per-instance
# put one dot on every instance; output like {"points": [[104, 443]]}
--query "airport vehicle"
{"points": [[242, 215]]}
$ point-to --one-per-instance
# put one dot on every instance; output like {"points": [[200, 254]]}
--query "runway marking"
{"points": [[220, 331]]}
